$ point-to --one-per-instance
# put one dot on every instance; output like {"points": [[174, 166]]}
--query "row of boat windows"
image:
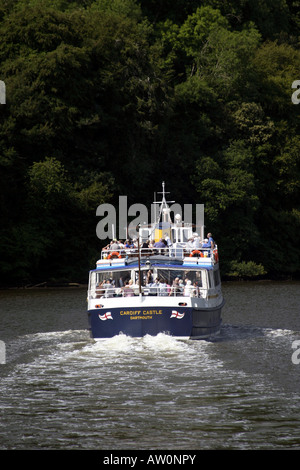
{"points": [[119, 278]]}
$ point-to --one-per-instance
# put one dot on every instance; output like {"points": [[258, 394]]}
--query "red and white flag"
{"points": [[105, 316], [176, 314]]}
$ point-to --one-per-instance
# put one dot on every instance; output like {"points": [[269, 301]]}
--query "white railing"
{"points": [[174, 291], [173, 251], [133, 252]]}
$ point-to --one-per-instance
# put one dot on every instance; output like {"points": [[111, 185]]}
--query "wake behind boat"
{"points": [[167, 281]]}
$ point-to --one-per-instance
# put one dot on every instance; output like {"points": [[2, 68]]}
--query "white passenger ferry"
{"points": [[146, 287]]}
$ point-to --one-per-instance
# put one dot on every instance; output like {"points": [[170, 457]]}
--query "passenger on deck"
{"points": [[160, 247], [196, 242], [100, 290], [145, 248], [196, 289], [109, 289], [168, 240], [160, 244], [151, 244], [163, 287], [188, 289], [106, 250], [127, 289], [128, 244], [211, 241], [114, 246], [189, 245], [205, 243], [136, 287], [175, 289], [153, 286]]}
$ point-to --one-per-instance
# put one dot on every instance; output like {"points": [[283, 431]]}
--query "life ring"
{"points": [[196, 252], [216, 254], [114, 253]]}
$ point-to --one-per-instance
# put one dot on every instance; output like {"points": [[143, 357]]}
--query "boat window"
{"points": [[116, 278], [180, 234], [169, 275]]}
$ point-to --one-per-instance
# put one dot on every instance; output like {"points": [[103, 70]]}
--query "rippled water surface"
{"points": [[61, 390]]}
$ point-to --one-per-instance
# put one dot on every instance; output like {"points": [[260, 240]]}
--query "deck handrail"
{"points": [[160, 291], [168, 251]]}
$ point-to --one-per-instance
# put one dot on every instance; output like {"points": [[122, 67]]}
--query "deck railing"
{"points": [[160, 291], [174, 251]]}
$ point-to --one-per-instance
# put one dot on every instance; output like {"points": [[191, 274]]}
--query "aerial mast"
{"points": [[163, 204]]}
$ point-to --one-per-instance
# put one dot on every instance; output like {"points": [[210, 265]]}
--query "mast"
{"points": [[163, 204], [139, 260]]}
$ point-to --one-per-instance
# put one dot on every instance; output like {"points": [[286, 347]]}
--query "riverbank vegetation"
{"points": [[111, 97]]}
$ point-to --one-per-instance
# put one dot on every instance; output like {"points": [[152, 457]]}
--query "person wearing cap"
{"points": [[206, 243]]}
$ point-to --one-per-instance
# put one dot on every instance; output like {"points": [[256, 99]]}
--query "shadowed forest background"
{"points": [[111, 97]]}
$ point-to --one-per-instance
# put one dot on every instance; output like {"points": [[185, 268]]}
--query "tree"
{"points": [[104, 97]]}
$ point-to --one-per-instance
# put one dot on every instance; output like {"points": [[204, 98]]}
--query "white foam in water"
{"points": [[65, 347], [163, 342], [123, 343], [117, 343], [277, 332]]}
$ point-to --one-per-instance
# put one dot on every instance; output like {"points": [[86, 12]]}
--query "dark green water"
{"points": [[61, 390]]}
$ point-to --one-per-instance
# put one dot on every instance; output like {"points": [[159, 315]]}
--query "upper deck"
{"points": [[173, 255], [173, 242]]}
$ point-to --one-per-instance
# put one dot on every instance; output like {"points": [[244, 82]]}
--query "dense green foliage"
{"points": [[111, 97]]}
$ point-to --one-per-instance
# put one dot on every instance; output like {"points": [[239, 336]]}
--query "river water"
{"points": [[61, 390]]}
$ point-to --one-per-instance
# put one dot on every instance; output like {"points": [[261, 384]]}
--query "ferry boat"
{"points": [[147, 288]]}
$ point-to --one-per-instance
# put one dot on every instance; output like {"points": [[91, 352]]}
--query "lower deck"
{"points": [[176, 299]]}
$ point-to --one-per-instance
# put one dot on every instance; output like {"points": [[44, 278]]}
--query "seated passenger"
{"points": [[160, 244], [188, 289], [196, 292], [136, 287], [176, 288], [127, 289], [128, 244], [163, 288], [100, 289], [154, 287], [145, 248], [151, 244], [109, 289]]}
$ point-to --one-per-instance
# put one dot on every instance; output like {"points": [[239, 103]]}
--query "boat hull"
{"points": [[181, 322], [206, 322]]}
